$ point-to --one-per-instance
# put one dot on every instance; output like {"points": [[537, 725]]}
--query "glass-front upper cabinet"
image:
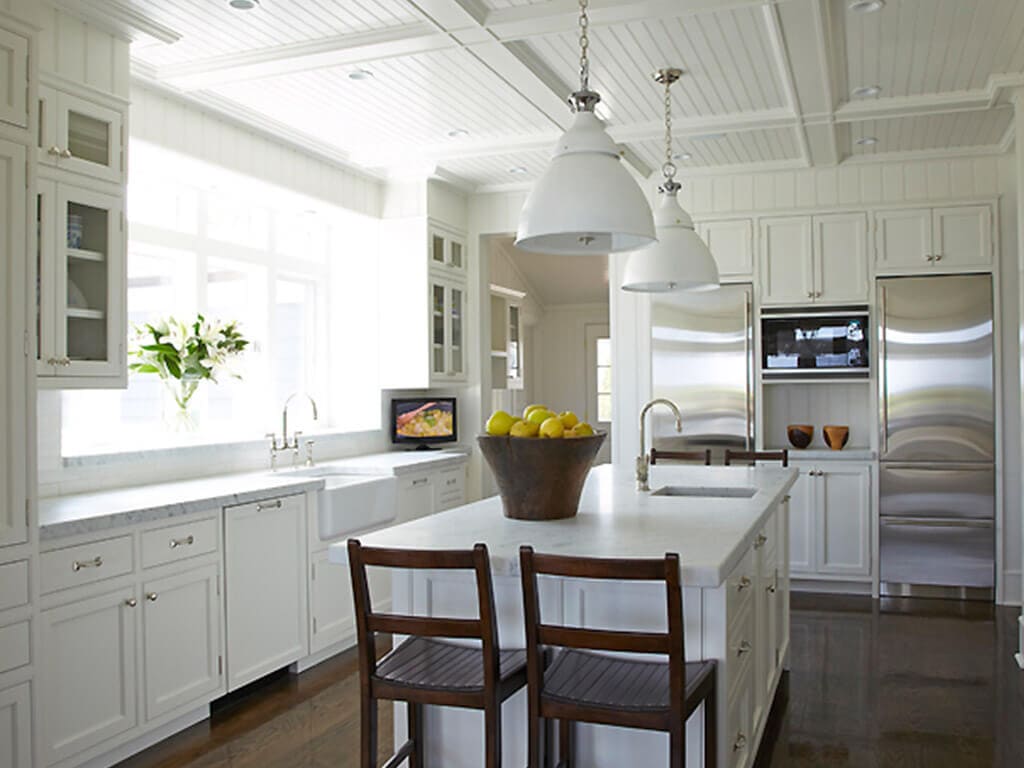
{"points": [[447, 249], [81, 136], [80, 287], [447, 330]]}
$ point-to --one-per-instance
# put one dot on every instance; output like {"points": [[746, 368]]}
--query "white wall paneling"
{"points": [[818, 404]]}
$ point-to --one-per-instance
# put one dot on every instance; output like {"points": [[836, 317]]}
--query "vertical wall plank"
{"points": [[871, 183], [892, 184], [806, 194], [828, 186], [915, 181]]}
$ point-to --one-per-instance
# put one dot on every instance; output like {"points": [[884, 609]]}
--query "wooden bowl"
{"points": [[800, 435], [836, 437], [538, 478]]}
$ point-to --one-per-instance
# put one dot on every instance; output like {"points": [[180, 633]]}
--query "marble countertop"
{"points": [[827, 454], [82, 513], [711, 535]]}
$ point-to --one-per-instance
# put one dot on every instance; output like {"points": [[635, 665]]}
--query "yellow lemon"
{"points": [[524, 429], [539, 416], [499, 424], [582, 430], [531, 408], [552, 427], [569, 419]]}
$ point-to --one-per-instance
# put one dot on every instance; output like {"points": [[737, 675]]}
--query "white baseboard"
{"points": [[129, 748]]}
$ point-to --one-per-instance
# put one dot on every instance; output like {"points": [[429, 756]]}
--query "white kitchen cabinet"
{"points": [[81, 286], [181, 628], [506, 338], [787, 256], [915, 240], [81, 136], [447, 248], [731, 242], [830, 518], [87, 674], [330, 602], [450, 488], [15, 726], [13, 78], [13, 257], [814, 259], [265, 549], [447, 329], [415, 496]]}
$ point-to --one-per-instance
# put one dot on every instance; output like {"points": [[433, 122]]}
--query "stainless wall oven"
{"points": [[818, 343]]}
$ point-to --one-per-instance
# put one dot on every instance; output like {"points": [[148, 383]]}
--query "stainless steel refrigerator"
{"points": [[936, 393], [702, 360]]}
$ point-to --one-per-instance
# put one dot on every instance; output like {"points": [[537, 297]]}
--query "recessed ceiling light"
{"points": [[866, 6], [517, 170], [866, 91], [360, 74], [457, 133], [866, 141], [708, 137], [244, 5], [681, 156]]}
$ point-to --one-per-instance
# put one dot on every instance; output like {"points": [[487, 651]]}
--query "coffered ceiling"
{"points": [[475, 89]]}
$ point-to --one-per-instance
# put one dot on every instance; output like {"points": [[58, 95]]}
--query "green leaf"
{"points": [[172, 368], [144, 368]]}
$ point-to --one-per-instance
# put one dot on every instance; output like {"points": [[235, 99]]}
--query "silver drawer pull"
{"points": [[743, 584], [740, 744], [744, 647], [420, 481], [78, 565], [152, 596], [760, 541], [185, 542], [268, 505]]}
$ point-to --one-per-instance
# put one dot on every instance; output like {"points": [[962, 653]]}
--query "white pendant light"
{"points": [[679, 261], [586, 202]]}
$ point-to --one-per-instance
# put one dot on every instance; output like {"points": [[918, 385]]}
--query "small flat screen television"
{"points": [[423, 421]]}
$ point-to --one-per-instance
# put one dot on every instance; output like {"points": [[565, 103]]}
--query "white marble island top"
{"points": [[710, 534]]}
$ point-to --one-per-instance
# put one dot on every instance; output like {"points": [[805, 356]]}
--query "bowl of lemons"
{"points": [[540, 461]]}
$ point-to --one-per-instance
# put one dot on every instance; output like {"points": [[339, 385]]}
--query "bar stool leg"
{"points": [[566, 747], [677, 745], [492, 735], [711, 729], [368, 731], [535, 728], [416, 734]]}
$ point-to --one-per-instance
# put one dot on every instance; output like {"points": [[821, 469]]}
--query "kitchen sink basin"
{"points": [[350, 503], [705, 493]]}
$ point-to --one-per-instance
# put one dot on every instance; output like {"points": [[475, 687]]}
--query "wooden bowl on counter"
{"points": [[836, 437], [539, 478], [800, 435]]}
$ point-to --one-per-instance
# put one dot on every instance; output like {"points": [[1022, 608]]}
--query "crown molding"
{"points": [[119, 18]]}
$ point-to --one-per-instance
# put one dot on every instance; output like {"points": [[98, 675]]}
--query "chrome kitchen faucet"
{"points": [[643, 461]]}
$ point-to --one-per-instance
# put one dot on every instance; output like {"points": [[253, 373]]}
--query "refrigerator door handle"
{"points": [[931, 522], [940, 467], [883, 387], [748, 353]]}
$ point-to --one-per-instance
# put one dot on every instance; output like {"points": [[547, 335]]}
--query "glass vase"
{"points": [[177, 415]]}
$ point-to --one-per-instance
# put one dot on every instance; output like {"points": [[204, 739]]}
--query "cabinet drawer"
{"points": [[739, 587], [85, 564], [13, 584], [740, 649], [451, 480], [179, 542], [15, 646]]}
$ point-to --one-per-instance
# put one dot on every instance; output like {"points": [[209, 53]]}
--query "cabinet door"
{"points": [[787, 273], [13, 397], [455, 322], [181, 640], [47, 311], [16, 727], [903, 240], [415, 497], [438, 330], [731, 243], [841, 257], [801, 523], [330, 600], [90, 138], [13, 78], [89, 286], [962, 236], [265, 578], [87, 673], [844, 511]]}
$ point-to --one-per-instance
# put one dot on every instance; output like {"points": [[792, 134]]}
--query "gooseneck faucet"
{"points": [[643, 461], [294, 445]]}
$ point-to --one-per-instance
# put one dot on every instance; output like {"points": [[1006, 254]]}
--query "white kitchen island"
{"points": [[734, 554]]}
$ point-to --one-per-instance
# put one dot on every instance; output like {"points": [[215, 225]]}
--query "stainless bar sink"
{"points": [[706, 493]]}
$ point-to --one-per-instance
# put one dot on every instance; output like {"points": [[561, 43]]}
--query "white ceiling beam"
{"points": [[777, 43], [120, 18], [913, 106]]}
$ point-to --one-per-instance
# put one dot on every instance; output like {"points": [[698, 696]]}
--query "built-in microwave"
{"points": [[819, 343]]}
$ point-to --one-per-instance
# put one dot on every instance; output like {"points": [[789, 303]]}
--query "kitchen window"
{"points": [[203, 239]]}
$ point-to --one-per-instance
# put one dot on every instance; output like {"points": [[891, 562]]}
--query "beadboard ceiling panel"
{"points": [[399, 110], [212, 28], [925, 132], [495, 170], [739, 148], [726, 55], [914, 47]]}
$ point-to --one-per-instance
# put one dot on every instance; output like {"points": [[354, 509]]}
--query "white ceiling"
{"points": [[772, 77]]}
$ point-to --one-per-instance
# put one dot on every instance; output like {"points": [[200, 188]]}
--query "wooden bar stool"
{"points": [[701, 456], [752, 456], [426, 670], [581, 686]]}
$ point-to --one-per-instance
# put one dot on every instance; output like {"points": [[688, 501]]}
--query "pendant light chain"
{"points": [[669, 168], [584, 47]]}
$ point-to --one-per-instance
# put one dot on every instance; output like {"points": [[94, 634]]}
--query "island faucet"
{"points": [[294, 445], [643, 461]]}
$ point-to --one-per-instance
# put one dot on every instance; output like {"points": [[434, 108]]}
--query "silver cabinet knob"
{"points": [[131, 602], [54, 151], [810, 294], [937, 257], [760, 541], [152, 596], [929, 257], [66, 153], [817, 294], [740, 744], [744, 583], [743, 647]]}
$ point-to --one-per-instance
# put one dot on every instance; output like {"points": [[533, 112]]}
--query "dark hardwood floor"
{"points": [[873, 685]]}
